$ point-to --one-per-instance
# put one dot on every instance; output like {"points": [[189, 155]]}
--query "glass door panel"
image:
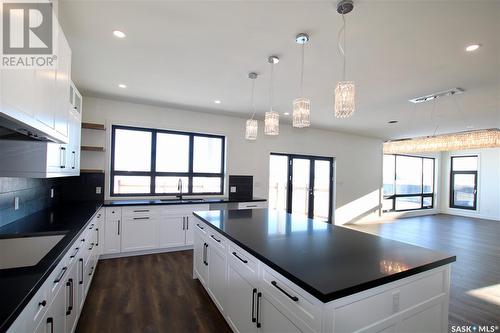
{"points": [[278, 180], [300, 186], [464, 190], [321, 189]]}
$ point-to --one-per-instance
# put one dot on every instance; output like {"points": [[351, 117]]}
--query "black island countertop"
{"points": [[19, 285], [327, 261], [166, 202]]}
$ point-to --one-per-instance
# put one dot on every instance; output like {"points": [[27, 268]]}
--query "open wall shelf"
{"points": [[92, 148], [99, 127]]}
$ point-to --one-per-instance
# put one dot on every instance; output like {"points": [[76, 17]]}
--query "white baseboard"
{"points": [[145, 252]]}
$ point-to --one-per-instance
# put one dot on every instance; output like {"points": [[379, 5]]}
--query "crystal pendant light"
{"points": [[488, 138], [252, 125], [272, 118], [302, 105], [345, 90]]}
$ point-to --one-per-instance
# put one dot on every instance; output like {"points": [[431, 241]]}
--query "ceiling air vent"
{"points": [[427, 98]]}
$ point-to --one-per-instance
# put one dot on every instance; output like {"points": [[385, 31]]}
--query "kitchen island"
{"points": [[269, 271]]}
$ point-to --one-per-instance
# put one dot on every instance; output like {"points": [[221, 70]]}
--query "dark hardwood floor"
{"points": [[156, 293], [151, 293], [475, 276]]}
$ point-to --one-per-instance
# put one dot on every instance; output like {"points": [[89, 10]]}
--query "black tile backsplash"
{"points": [[34, 193]]}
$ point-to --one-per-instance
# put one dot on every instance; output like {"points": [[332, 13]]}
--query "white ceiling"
{"points": [[186, 54]]}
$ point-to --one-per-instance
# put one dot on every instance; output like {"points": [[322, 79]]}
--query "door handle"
{"points": [[50, 321], [62, 157], [70, 297], [259, 295], [75, 253], [183, 223], [254, 291], [97, 242], [74, 159], [118, 227], [187, 222]]}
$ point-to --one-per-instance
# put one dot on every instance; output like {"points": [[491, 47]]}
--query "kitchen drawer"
{"points": [[113, 213], [247, 265], [33, 312], [252, 205], [216, 240], [387, 303], [201, 227], [294, 302], [183, 210], [140, 211]]}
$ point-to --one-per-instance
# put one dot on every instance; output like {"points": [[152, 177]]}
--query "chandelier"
{"points": [[345, 90], [301, 105], [272, 118], [488, 138], [252, 125]]}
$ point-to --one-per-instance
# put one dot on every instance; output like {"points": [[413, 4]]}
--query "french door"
{"points": [[302, 184]]}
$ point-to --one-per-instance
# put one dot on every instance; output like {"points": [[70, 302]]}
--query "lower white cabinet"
{"points": [[172, 231], [139, 233], [254, 298], [240, 301], [56, 306], [112, 230]]}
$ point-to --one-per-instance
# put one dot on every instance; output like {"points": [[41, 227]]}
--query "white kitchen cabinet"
{"points": [[270, 319], [200, 264], [252, 205], [217, 275], [241, 295], [71, 304], [112, 230], [35, 100], [172, 231], [189, 229], [139, 233], [54, 320]]}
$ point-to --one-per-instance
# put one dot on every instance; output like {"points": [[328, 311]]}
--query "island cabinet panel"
{"points": [[200, 264], [256, 298], [140, 233]]}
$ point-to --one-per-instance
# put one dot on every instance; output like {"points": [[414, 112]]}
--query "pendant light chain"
{"points": [[271, 97], [342, 45], [302, 72], [253, 99]]}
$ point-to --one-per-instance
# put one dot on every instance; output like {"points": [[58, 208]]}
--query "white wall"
{"points": [[358, 159], [488, 191]]}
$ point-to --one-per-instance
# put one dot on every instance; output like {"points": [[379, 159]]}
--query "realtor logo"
{"points": [[27, 35]]}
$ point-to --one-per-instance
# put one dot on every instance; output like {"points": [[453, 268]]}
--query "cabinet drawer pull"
{"points": [[251, 206], [254, 291], [75, 253], [141, 218], [237, 256], [141, 210], [60, 276], [259, 295], [42, 303], [205, 248], [118, 227], [97, 242], [81, 271], [293, 298], [91, 246], [199, 226], [91, 226], [50, 321], [91, 270], [217, 240]]}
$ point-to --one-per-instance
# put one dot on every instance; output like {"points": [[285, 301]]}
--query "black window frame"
{"points": [[452, 183], [422, 194], [312, 159], [153, 173]]}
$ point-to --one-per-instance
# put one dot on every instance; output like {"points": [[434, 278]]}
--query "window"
{"points": [[463, 182], [147, 162], [408, 183]]}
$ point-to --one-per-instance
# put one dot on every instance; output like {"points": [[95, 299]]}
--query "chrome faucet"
{"points": [[179, 188]]}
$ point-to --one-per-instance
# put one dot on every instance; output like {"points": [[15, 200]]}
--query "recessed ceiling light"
{"points": [[470, 126], [217, 101], [286, 113], [392, 121], [119, 34], [123, 86], [472, 47]]}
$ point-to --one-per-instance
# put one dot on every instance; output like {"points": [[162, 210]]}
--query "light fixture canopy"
{"points": [[217, 101], [121, 85], [252, 126], [488, 138]]}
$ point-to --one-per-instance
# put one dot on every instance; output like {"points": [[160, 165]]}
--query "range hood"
{"points": [[14, 130]]}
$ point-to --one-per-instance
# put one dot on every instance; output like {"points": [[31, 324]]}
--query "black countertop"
{"points": [[18, 285], [327, 261], [185, 201]]}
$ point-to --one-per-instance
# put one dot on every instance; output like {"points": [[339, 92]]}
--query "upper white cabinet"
{"points": [[35, 101]]}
